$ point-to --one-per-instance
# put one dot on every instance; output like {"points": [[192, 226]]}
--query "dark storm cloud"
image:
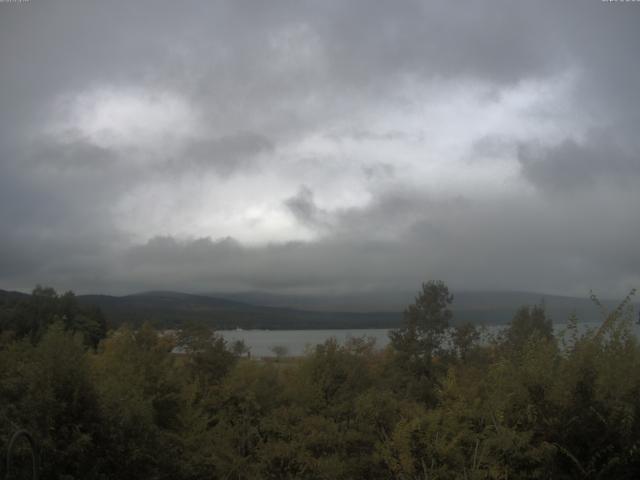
{"points": [[224, 53], [305, 210], [390, 215], [486, 241], [573, 165], [262, 75]]}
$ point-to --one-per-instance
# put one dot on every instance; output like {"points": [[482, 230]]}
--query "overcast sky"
{"points": [[320, 146]]}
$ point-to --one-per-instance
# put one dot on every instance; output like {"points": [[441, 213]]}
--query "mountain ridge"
{"points": [[264, 310]]}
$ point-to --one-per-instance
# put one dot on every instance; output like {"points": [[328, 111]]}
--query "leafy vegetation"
{"points": [[438, 403]]}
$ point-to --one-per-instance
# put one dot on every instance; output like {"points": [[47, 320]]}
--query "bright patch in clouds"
{"points": [[425, 138], [128, 118]]}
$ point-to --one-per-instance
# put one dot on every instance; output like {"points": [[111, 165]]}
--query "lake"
{"points": [[297, 341]]}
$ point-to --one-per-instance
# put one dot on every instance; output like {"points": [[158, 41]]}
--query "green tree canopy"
{"points": [[420, 340], [528, 321]]}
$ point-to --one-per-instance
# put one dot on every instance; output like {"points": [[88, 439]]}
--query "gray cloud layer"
{"points": [[332, 146]]}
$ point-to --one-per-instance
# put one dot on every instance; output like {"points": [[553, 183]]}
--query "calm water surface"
{"points": [[297, 342]]}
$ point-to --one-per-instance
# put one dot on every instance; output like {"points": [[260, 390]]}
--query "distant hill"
{"points": [[8, 296], [482, 307], [171, 309], [498, 307], [273, 311]]}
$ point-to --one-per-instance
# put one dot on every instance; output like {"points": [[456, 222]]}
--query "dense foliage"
{"points": [[438, 403], [30, 316]]}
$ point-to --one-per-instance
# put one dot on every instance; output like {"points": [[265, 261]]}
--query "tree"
{"points": [[464, 338], [527, 322], [30, 316], [142, 403], [425, 321], [208, 358], [47, 389], [280, 351], [240, 348], [417, 344]]}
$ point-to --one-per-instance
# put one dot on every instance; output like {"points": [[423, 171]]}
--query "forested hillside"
{"points": [[172, 310], [255, 310], [436, 403]]}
